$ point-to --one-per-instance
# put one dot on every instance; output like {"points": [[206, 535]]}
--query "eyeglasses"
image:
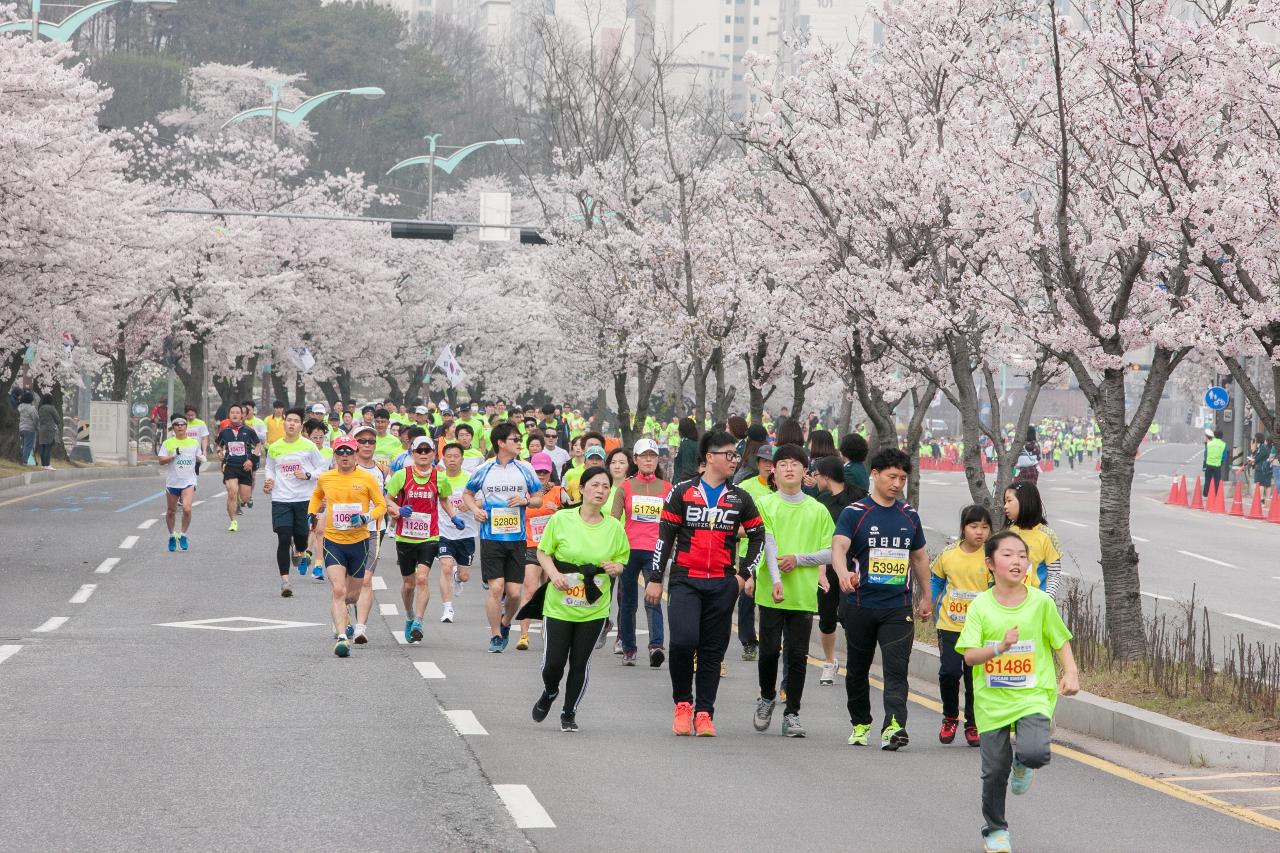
{"points": [[365, 441], [422, 450], [729, 455], [343, 451]]}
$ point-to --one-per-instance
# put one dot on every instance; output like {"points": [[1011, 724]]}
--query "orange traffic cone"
{"points": [[1172, 500], [1182, 490], [1255, 508], [1197, 502], [1273, 515], [1237, 501], [1216, 500]]}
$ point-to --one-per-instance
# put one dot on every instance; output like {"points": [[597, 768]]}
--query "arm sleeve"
{"points": [[771, 557], [815, 558], [668, 528], [753, 524], [271, 467], [1053, 564]]}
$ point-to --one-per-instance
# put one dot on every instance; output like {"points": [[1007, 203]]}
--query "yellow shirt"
{"points": [[1042, 549], [966, 575], [344, 495], [275, 429]]}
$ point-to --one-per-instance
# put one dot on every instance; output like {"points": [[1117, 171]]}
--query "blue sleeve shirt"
{"points": [[881, 541], [493, 484]]}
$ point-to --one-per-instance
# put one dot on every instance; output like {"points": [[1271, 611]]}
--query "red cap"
{"points": [[345, 441]]}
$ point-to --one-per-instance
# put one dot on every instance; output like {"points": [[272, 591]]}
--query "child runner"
{"points": [[959, 574], [1009, 631]]}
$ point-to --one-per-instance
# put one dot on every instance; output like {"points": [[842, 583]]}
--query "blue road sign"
{"points": [[1217, 398]]}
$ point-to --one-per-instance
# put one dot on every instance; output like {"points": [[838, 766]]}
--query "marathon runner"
{"points": [[553, 497], [197, 429], [352, 498], [877, 550], [367, 461], [697, 535], [236, 444], [639, 507], [316, 434], [293, 464], [496, 496], [180, 454], [835, 495], [960, 574], [457, 547]]}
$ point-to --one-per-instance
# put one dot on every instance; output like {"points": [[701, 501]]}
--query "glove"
{"points": [[459, 523], [358, 519], [311, 520], [405, 511]]}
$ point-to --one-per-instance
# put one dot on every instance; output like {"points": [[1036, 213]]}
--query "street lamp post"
{"points": [[65, 30], [448, 164]]}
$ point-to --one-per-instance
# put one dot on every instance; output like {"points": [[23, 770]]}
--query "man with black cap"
{"points": [[835, 494]]}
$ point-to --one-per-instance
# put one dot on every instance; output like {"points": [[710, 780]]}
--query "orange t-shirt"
{"points": [[535, 519]]}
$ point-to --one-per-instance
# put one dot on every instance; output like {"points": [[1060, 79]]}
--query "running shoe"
{"points": [[522, 644], [317, 572], [415, 632], [608, 626], [361, 637], [751, 651], [859, 735], [408, 626], [285, 592], [341, 649], [182, 541], [304, 562], [629, 658], [1020, 778], [543, 706], [971, 736], [828, 675], [791, 726], [504, 631], [617, 647], [496, 645], [683, 723], [250, 503], [656, 657], [350, 632], [457, 584], [234, 526], [948, 731], [997, 841], [703, 726], [447, 615], [764, 714], [568, 723], [173, 543], [893, 736]]}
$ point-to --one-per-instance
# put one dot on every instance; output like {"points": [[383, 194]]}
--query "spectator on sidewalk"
{"points": [[27, 424], [48, 425]]}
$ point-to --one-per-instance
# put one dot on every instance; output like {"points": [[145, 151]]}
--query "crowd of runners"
{"points": [[773, 523]]}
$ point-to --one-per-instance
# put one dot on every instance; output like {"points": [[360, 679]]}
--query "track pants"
{"points": [[997, 760], [951, 671], [797, 625], [893, 629], [700, 619], [572, 643]]}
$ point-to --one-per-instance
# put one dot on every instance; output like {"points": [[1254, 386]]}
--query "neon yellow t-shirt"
{"points": [[570, 539], [798, 528]]}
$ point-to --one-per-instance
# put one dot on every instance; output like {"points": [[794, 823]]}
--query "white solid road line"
{"points": [[197, 503], [129, 542], [1254, 621], [388, 610], [221, 494], [427, 669], [1154, 595], [146, 525], [1207, 559], [465, 722], [525, 809], [106, 565], [379, 583], [51, 624], [1072, 523], [7, 652], [1138, 538], [83, 593]]}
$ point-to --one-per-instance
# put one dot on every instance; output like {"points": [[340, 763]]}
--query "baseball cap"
{"points": [[333, 416], [363, 428], [445, 410], [594, 450], [756, 432], [765, 451], [464, 406], [644, 445], [830, 467], [420, 441], [346, 441], [542, 462], [420, 410], [317, 409], [1208, 433]]}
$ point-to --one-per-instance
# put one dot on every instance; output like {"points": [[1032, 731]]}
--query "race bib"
{"points": [[645, 508], [416, 526], [235, 448], [504, 520], [576, 596], [887, 566], [342, 516], [290, 468], [537, 524], [183, 462], [958, 604], [1015, 669]]}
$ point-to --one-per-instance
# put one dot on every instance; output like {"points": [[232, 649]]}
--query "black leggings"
{"points": [[283, 539], [46, 455], [568, 642], [951, 672]]}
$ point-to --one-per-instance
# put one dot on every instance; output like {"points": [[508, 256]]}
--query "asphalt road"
{"points": [[122, 732], [1233, 565]]}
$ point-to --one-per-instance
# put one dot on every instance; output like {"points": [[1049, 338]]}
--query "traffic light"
{"points": [[421, 231], [531, 237]]}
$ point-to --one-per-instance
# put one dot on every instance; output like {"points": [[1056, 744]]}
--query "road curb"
{"points": [[1143, 730], [63, 475]]}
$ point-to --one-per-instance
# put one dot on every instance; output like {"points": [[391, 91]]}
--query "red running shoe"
{"points": [[971, 736], [703, 726], [948, 732], [683, 724]]}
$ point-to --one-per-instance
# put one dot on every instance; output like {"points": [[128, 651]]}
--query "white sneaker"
{"points": [[457, 584], [447, 615], [828, 675]]}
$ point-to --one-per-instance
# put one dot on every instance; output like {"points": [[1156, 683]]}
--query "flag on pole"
{"points": [[450, 367]]}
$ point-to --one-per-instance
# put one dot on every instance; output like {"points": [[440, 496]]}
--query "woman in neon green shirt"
{"points": [[576, 605]]}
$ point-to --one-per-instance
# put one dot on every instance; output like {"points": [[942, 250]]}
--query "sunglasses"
{"points": [[344, 451], [423, 450], [365, 441]]}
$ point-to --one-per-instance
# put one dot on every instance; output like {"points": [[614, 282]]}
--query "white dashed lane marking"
{"points": [[1254, 621], [7, 652], [129, 542], [427, 669], [465, 722], [106, 565], [524, 807], [388, 610], [83, 593], [51, 624], [146, 525], [1208, 559]]}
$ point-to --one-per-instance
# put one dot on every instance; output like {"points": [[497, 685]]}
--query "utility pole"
{"points": [[35, 21]]}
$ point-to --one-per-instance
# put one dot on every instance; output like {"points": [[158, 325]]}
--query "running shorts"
{"points": [[410, 555], [461, 551], [502, 560], [290, 516], [240, 475], [354, 557]]}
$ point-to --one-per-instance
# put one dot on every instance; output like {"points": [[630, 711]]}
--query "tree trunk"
{"points": [[1120, 579], [724, 395], [393, 384], [625, 426], [10, 441], [915, 428], [800, 385], [846, 411], [299, 390], [120, 371], [330, 393], [413, 390], [193, 381], [279, 388], [757, 394], [700, 371], [602, 405]]}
